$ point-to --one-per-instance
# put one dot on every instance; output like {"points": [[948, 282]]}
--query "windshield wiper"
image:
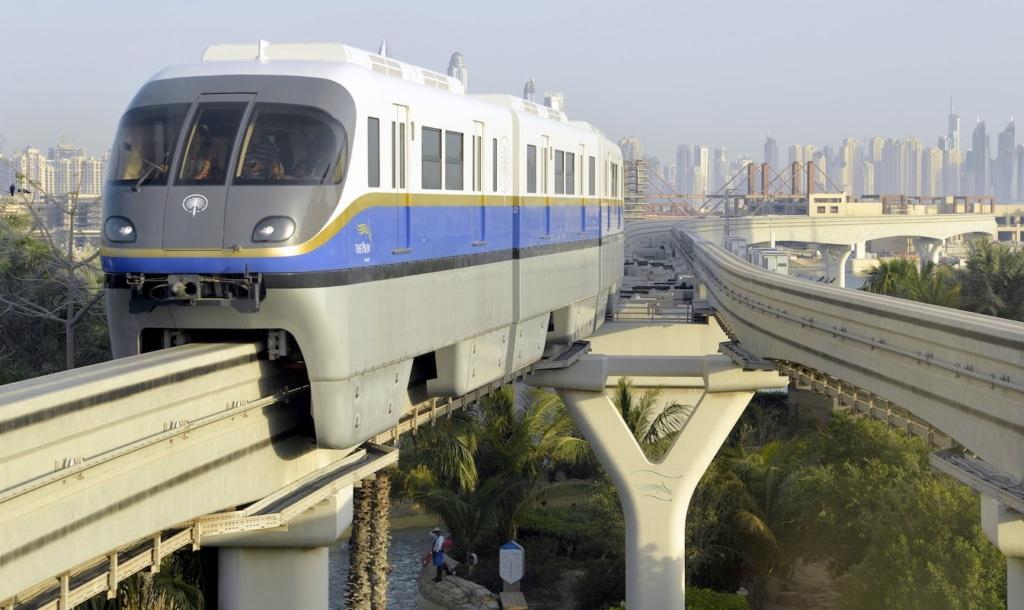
{"points": [[146, 174]]}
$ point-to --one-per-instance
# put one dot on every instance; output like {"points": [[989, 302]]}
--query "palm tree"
{"points": [[654, 428], [520, 441], [380, 541], [357, 594], [933, 284], [993, 280]]}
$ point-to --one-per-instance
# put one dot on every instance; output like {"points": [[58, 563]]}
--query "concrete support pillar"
{"points": [[927, 250], [655, 496], [860, 249], [835, 262], [1005, 528], [251, 578], [284, 567]]}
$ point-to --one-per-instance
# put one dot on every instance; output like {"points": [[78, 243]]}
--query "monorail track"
{"points": [[107, 469]]}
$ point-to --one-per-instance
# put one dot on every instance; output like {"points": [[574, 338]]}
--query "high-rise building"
{"points": [[36, 169], [850, 167], [952, 168], [720, 170], [931, 170], [684, 165], [457, 69], [530, 90], [1003, 176], [93, 173], [771, 153], [65, 151], [555, 100], [672, 174], [978, 161], [953, 127], [819, 180], [1019, 195], [631, 150], [701, 169], [869, 177], [912, 166]]}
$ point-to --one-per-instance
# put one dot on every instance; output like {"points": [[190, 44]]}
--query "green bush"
{"points": [[704, 599]]}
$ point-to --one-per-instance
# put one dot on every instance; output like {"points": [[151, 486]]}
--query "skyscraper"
{"points": [[978, 160], [457, 69], [555, 100], [850, 168], [530, 90], [771, 153], [953, 127], [684, 168], [1003, 176], [931, 170], [630, 148], [720, 169]]}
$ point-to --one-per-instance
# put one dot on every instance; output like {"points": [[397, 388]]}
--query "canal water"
{"points": [[407, 546]]}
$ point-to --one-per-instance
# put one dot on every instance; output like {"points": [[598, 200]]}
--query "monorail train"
{"points": [[363, 216]]}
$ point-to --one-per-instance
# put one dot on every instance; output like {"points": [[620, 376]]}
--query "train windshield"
{"points": [[209, 142], [145, 143], [288, 144]]}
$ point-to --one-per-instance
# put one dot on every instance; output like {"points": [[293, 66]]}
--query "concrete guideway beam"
{"points": [[655, 495]]}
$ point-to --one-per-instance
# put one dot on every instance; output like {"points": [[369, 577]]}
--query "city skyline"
{"points": [[670, 73]]}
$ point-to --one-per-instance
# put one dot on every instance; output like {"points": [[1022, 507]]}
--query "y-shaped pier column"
{"points": [[835, 262], [656, 495], [927, 251]]}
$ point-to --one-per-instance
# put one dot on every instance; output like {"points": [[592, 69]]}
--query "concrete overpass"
{"points": [[839, 237]]}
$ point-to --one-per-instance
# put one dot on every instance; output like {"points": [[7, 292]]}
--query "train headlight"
{"points": [[119, 229], [274, 228]]}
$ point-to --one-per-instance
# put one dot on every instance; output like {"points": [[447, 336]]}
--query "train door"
{"points": [[578, 179], [545, 154], [478, 183], [400, 179], [195, 208]]}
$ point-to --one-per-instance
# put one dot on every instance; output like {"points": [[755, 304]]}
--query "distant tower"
{"points": [[530, 90], [457, 69], [771, 152], [383, 51], [953, 128], [555, 100]]}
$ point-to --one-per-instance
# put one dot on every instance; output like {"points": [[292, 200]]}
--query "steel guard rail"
{"points": [[960, 371]]}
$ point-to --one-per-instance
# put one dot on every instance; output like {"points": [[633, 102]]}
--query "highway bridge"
{"points": [[106, 469]]}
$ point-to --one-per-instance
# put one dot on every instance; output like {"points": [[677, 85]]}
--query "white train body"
{"points": [[519, 249]]}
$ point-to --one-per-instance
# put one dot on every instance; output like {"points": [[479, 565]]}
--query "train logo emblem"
{"points": [[194, 204]]}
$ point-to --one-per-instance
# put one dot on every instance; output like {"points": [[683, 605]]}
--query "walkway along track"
{"points": [[107, 469]]}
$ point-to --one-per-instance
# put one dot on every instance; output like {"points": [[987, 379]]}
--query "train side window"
{"points": [[531, 168], [431, 169], [559, 172], [494, 163], [373, 150], [478, 162], [592, 175], [570, 173], [453, 161]]}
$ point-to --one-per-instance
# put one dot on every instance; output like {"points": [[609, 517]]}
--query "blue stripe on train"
{"points": [[374, 235]]}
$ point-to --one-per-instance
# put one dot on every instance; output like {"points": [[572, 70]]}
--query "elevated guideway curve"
{"points": [[959, 371]]}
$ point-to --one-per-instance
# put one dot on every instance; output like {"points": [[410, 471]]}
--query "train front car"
{"points": [[226, 209], [340, 207]]}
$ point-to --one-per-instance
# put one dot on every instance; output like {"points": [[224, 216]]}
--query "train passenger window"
{"points": [[373, 150], [289, 145], [531, 168], [559, 172], [592, 175], [453, 161], [431, 158], [209, 143], [570, 173], [494, 163], [145, 142]]}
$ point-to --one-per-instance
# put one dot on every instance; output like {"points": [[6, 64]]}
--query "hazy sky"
{"points": [[720, 72]]}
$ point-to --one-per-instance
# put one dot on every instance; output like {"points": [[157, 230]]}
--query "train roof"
{"points": [[325, 59]]}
